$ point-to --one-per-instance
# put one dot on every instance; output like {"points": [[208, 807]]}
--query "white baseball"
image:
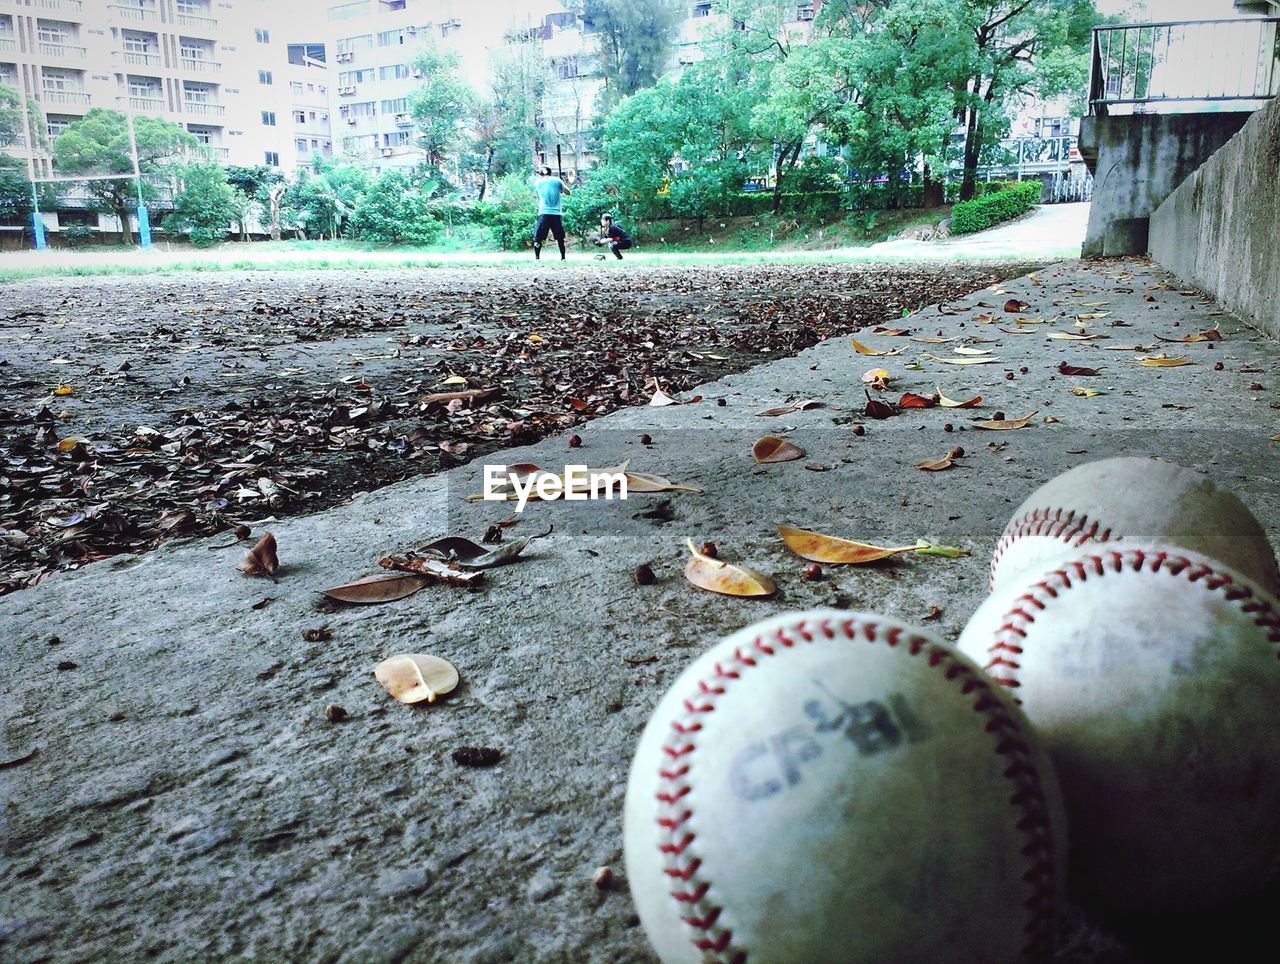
{"points": [[831, 785], [1132, 499], [1152, 675]]}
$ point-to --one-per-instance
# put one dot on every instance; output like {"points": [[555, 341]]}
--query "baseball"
{"points": [[832, 785], [1152, 677], [1126, 499]]}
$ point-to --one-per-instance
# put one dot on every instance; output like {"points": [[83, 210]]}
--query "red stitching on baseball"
{"points": [[677, 847], [1061, 524], [1011, 635]]}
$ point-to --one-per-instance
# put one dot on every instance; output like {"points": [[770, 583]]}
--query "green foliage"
{"points": [[322, 200], [12, 124], [395, 210], [440, 103], [77, 235], [995, 208], [635, 40], [597, 195], [205, 205]]}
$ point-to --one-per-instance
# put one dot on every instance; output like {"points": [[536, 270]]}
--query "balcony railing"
{"points": [[1187, 62], [141, 59], [69, 5], [204, 108], [69, 97], [66, 51], [200, 23], [125, 12], [149, 104], [8, 44], [199, 65]]}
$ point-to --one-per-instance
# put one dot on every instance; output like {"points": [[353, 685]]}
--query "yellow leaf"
{"points": [[774, 449], [63, 390], [454, 380], [1003, 424], [984, 360], [817, 547], [1086, 392], [876, 376], [935, 465], [644, 482], [1091, 315], [1160, 361], [536, 339], [862, 349], [67, 444], [413, 677], [1070, 336], [931, 340], [1275, 438], [952, 403], [728, 580]]}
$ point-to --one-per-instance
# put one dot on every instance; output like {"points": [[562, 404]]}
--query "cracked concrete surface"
{"points": [[190, 801]]}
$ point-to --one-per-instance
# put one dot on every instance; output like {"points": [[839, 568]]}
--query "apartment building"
{"points": [[219, 68]]}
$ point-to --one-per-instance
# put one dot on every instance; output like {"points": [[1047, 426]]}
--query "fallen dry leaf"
{"points": [[951, 403], [63, 390], [862, 349], [890, 332], [466, 554], [792, 407], [878, 409], [1093, 315], [1013, 305], [714, 575], [1002, 424], [644, 482], [966, 350], [1019, 331], [876, 377], [817, 547], [661, 398], [378, 589], [936, 465], [1275, 438], [984, 360], [1161, 361], [1209, 334], [414, 677], [1071, 336], [262, 559], [454, 380], [774, 449], [1086, 392], [910, 400], [1065, 369], [431, 569]]}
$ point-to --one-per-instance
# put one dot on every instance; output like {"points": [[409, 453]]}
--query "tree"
{"points": [[635, 41], [205, 203], [13, 127], [98, 143], [441, 103], [395, 209], [258, 187], [322, 200], [1009, 36]]}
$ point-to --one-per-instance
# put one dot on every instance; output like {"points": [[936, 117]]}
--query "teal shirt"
{"points": [[548, 190]]}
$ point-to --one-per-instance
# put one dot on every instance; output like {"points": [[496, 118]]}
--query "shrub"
{"points": [[76, 234], [395, 210], [991, 209]]}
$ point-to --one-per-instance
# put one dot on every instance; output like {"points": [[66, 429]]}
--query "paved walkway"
{"points": [[190, 801]]}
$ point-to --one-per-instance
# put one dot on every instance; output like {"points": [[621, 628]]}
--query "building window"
{"points": [[263, 35], [264, 77], [60, 79], [269, 118], [702, 10], [299, 116], [53, 32], [394, 72], [391, 38], [272, 158], [349, 45], [349, 78], [296, 88], [398, 106], [301, 144]]}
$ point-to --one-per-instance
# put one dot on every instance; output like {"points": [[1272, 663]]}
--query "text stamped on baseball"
{"points": [[578, 483]]}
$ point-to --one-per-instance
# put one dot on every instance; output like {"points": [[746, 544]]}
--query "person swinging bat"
{"points": [[549, 189]]}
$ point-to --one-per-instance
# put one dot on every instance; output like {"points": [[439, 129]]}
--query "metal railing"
{"points": [[1209, 61]]}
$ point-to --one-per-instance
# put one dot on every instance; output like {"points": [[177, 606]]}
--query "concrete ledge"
{"points": [[1221, 228], [1137, 162]]}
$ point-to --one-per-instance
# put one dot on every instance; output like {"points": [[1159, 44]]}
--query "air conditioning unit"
{"points": [[417, 73], [351, 121], [403, 120], [411, 31], [346, 58], [346, 91], [388, 152]]}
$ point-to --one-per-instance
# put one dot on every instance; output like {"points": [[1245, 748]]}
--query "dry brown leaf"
{"points": [[1071, 336], [936, 465], [414, 677], [910, 400], [1209, 334], [878, 409], [984, 360], [262, 559], [1086, 392], [1018, 331], [443, 398], [714, 575], [378, 589], [930, 340], [644, 482], [1065, 369], [951, 403], [1013, 304], [799, 406], [661, 398], [1275, 438], [774, 449], [454, 380], [1162, 361], [1138, 347], [817, 547], [1093, 315], [1002, 424], [890, 332], [876, 378], [862, 349], [432, 569]]}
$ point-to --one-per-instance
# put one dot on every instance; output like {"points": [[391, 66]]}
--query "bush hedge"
{"points": [[991, 209]]}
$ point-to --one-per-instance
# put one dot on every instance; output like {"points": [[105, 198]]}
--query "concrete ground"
{"points": [[188, 799]]}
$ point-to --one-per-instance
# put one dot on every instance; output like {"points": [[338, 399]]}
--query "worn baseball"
{"points": [[1129, 499], [840, 786], [1152, 675]]}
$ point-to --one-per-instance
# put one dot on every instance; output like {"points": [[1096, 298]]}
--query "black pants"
{"points": [[552, 224], [618, 247]]}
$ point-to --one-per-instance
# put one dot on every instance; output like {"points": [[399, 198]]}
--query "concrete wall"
{"points": [[1221, 228], [1137, 161]]}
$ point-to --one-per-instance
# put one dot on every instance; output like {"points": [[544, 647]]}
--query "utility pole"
{"points": [[37, 219]]}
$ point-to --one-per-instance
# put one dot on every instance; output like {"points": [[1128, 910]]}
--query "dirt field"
{"points": [[133, 410]]}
